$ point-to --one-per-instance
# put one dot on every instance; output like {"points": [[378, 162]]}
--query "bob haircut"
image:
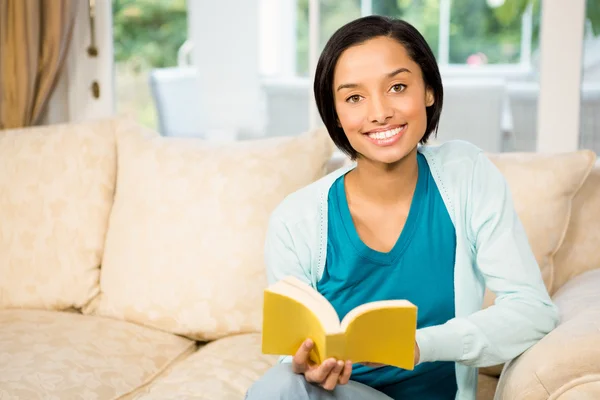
{"points": [[360, 31]]}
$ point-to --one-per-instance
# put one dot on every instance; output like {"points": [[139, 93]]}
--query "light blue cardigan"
{"points": [[491, 250]]}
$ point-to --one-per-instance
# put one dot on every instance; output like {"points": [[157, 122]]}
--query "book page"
{"points": [[294, 312], [311, 299], [364, 308], [382, 332]]}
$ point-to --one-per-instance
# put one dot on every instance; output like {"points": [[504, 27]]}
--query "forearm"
{"points": [[488, 337]]}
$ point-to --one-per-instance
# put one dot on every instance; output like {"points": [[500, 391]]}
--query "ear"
{"points": [[429, 99]]}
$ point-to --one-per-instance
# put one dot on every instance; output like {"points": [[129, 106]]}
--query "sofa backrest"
{"points": [[580, 251]]}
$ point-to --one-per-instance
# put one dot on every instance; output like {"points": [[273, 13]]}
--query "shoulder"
{"points": [[459, 163], [308, 202], [464, 175], [454, 153]]}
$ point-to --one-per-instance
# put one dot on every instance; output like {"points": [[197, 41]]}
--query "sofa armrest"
{"points": [[567, 358]]}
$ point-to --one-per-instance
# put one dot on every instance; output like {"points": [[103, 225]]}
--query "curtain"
{"points": [[34, 39]]}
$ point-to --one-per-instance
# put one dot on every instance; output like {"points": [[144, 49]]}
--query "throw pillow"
{"points": [[184, 249], [56, 191]]}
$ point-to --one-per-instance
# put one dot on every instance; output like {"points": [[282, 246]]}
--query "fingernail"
{"points": [[308, 343]]}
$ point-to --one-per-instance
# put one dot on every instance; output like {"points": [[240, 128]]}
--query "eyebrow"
{"points": [[390, 75]]}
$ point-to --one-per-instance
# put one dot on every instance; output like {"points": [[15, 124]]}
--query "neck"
{"points": [[385, 183]]}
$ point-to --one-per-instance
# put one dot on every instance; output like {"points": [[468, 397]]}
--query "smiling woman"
{"points": [[433, 225]]}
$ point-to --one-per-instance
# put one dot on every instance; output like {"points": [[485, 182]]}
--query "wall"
{"points": [[560, 75], [72, 99]]}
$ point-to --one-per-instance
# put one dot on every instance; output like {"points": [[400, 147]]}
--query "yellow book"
{"points": [[378, 332]]}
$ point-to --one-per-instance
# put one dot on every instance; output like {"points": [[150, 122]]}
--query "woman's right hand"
{"points": [[328, 375]]}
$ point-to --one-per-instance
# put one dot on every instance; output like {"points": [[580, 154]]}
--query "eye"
{"points": [[353, 99], [397, 88]]}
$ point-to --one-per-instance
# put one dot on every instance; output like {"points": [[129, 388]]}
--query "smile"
{"points": [[387, 137]]}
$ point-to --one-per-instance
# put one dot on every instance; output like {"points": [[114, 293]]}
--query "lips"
{"points": [[386, 137]]}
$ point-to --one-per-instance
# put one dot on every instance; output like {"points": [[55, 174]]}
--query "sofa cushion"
{"points": [[582, 390], [486, 387], [56, 190], [580, 250], [542, 188], [62, 355], [184, 250], [223, 369]]}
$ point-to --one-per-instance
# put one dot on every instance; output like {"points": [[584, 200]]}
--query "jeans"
{"points": [[281, 383]]}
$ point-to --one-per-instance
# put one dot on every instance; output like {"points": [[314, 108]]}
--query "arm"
{"points": [[523, 312], [281, 258]]}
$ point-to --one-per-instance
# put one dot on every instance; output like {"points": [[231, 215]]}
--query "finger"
{"points": [[417, 354], [346, 372], [317, 374], [300, 360], [333, 376]]}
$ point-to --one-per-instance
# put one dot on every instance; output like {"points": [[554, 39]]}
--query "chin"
{"points": [[387, 156]]}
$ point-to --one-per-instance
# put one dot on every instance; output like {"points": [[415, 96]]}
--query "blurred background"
{"points": [[239, 69]]}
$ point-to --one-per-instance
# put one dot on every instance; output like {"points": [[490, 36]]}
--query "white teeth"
{"points": [[385, 134]]}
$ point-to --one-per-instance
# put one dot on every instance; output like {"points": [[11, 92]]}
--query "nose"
{"points": [[379, 110]]}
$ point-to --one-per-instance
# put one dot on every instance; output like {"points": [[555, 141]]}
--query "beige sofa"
{"points": [[131, 264]]}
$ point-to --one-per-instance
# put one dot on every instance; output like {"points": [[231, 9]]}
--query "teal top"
{"points": [[356, 274], [492, 249]]}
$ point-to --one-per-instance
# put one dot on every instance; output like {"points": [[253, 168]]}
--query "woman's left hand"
{"points": [[417, 353]]}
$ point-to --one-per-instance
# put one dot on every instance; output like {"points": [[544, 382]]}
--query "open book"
{"points": [[379, 332]]}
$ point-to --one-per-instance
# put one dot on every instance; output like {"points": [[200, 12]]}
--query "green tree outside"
{"points": [[474, 26], [148, 33]]}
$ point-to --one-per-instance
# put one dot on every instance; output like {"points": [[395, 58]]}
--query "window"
{"points": [[423, 14], [333, 14], [589, 129], [460, 32], [483, 34], [147, 35]]}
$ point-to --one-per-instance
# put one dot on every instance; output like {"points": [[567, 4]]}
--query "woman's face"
{"points": [[381, 99]]}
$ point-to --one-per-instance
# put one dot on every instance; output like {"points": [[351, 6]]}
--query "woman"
{"points": [[431, 224]]}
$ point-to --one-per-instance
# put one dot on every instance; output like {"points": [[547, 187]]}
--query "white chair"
{"points": [[523, 108], [175, 92], [287, 103], [473, 111], [590, 117]]}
